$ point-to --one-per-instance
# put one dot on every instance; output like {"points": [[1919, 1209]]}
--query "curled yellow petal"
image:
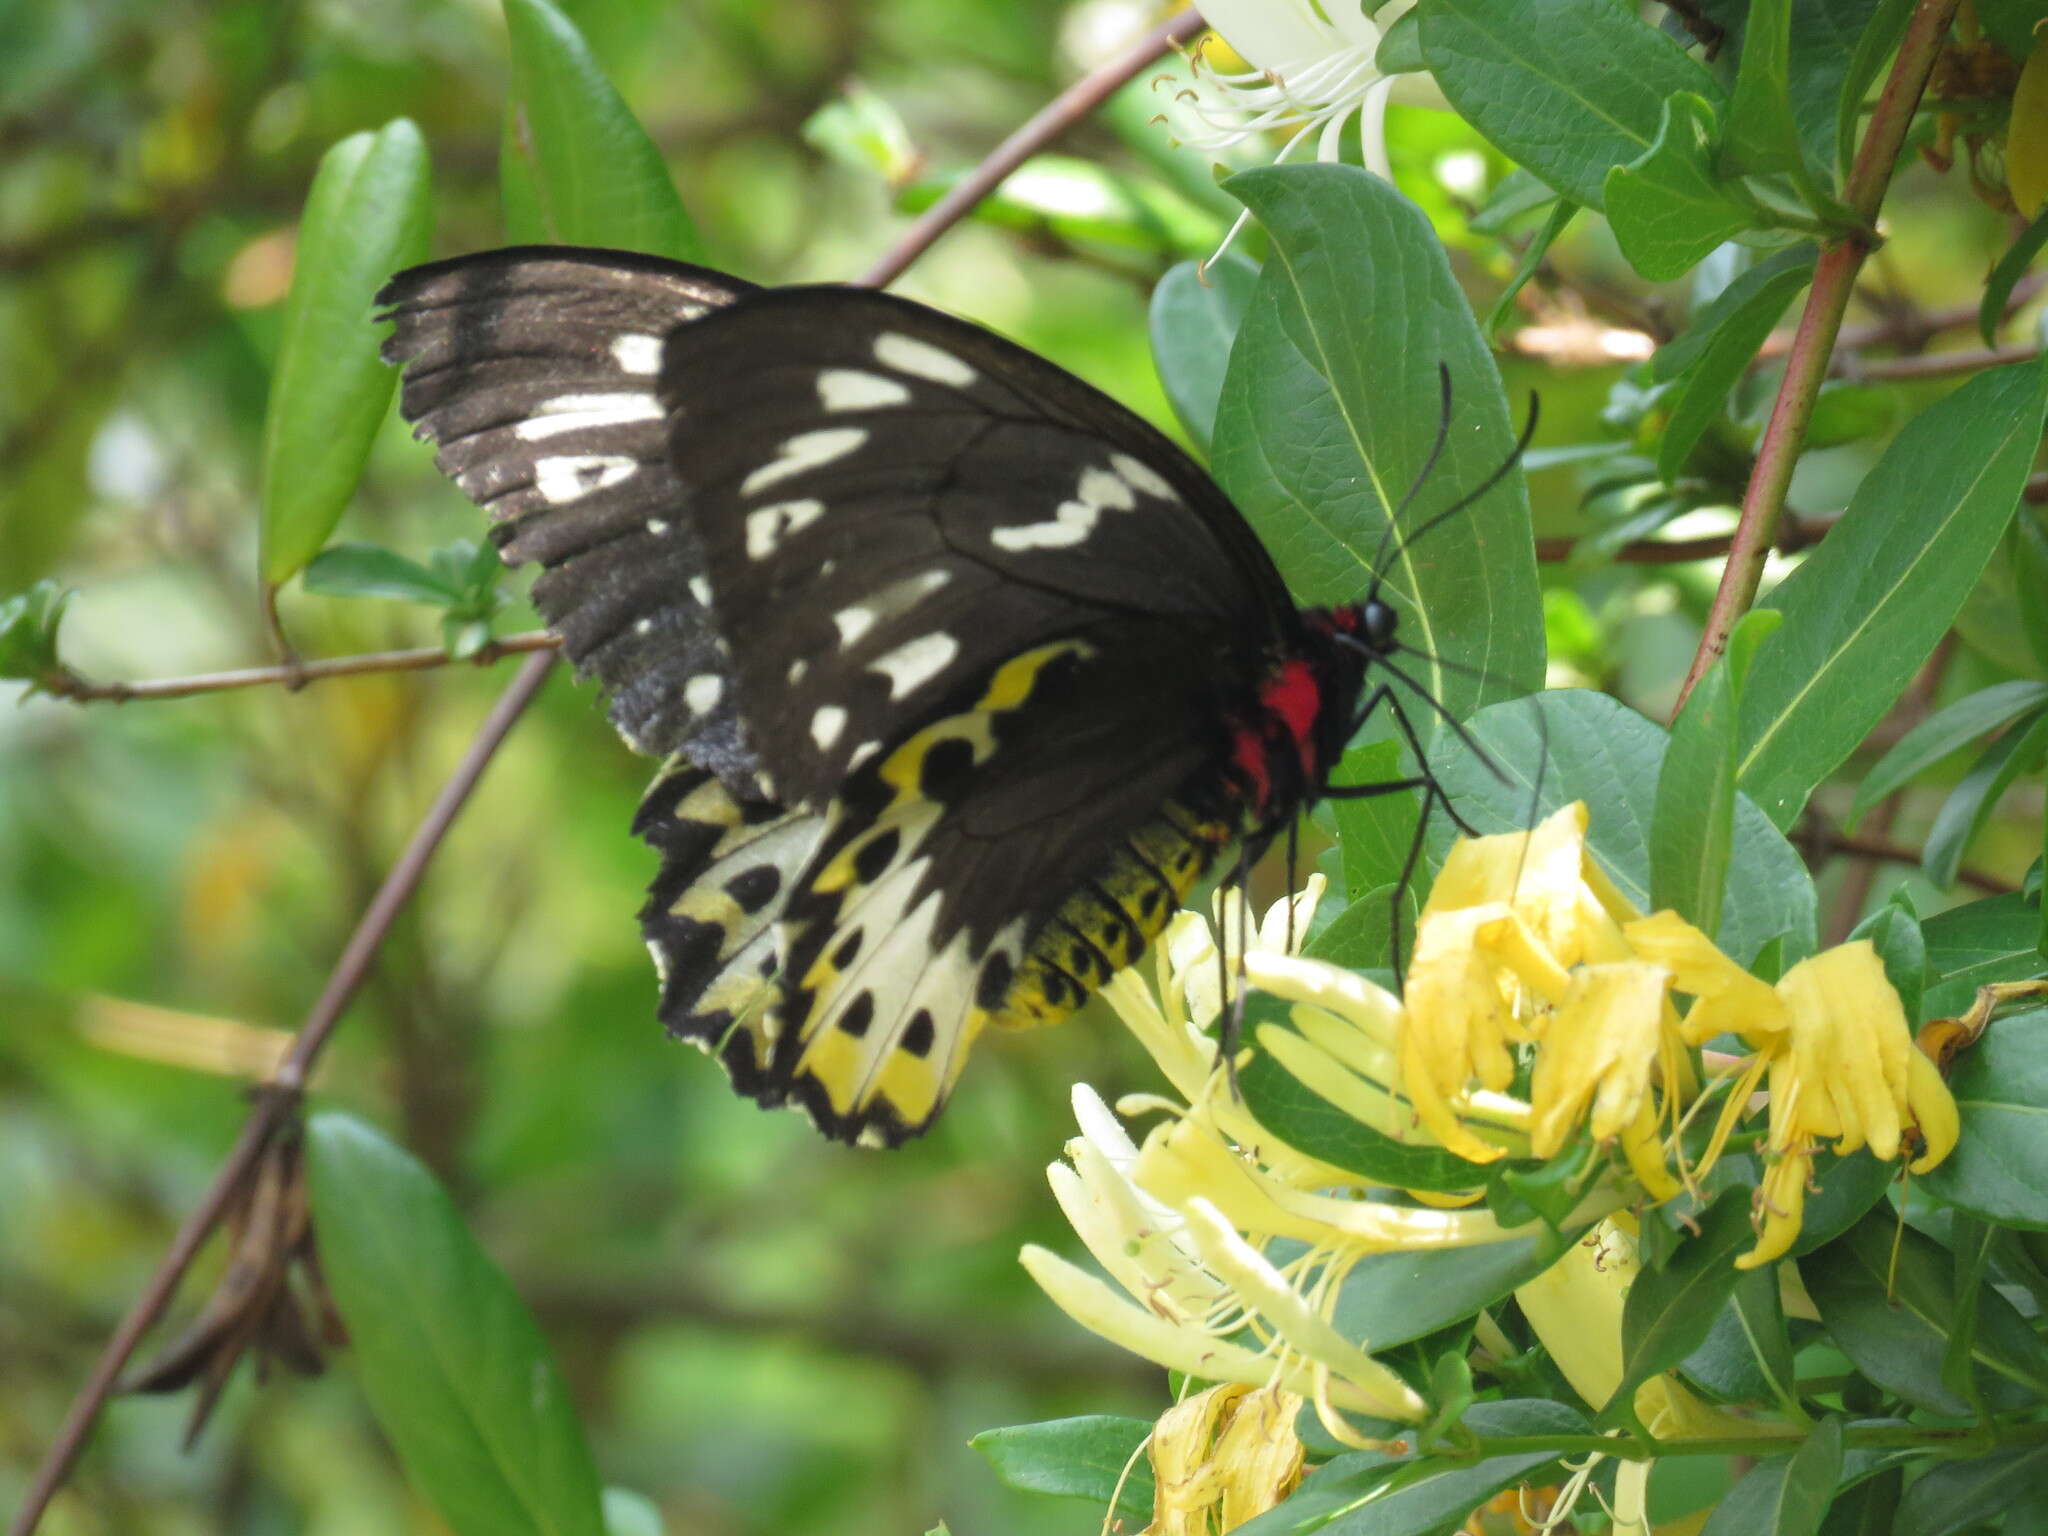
{"points": [[1850, 1040], [1726, 998], [1781, 1204], [1933, 1110], [1598, 1050]]}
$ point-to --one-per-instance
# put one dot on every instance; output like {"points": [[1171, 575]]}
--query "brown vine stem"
{"points": [[1813, 341], [1055, 118], [68, 685], [276, 1099]]}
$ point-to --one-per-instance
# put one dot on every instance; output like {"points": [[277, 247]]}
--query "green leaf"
{"points": [[1893, 1319], [1746, 1356], [1670, 1310], [366, 216], [1712, 354], [1376, 831], [1971, 803], [1879, 40], [1517, 70], [2012, 266], [1693, 828], [1516, 193], [1595, 748], [1193, 324], [1345, 1497], [1846, 412], [1785, 1495], [1866, 608], [1970, 1246], [1865, 1508], [630, 1514], [1391, 1298], [1547, 1191], [863, 131], [1763, 135], [1097, 1457], [1846, 1188], [1532, 257], [1944, 732], [370, 570], [1668, 208], [2029, 559], [1330, 409], [1824, 38], [455, 1370], [1310, 1123], [1976, 944], [2001, 1087], [29, 622], [1959, 1494], [596, 177]]}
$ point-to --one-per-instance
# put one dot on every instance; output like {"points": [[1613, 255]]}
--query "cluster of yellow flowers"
{"points": [[1529, 966]]}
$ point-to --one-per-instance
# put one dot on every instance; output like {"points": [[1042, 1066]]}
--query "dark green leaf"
{"points": [[1746, 1356], [1824, 37], [2029, 551], [1970, 1245], [1595, 748], [1847, 1187], [1330, 410], [1194, 323], [1669, 208], [1976, 944], [1971, 803], [1786, 1495], [1893, 1319], [2001, 1088], [1376, 831], [1390, 1298], [1709, 359], [1959, 1494], [1517, 70], [1097, 1457], [1344, 1498], [1670, 1310], [457, 1373], [1693, 827], [2010, 24], [370, 570], [1531, 258], [366, 216], [1763, 135], [596, 178], [1548, 1191], [1866, 608], [1866, 1508], [1362, 936], [1943, 732], [1310, 1123], [29, 622], [1846, 412], [2012, 266]]}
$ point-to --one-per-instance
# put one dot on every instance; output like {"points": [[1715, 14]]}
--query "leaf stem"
{"points": [[1806, 365]]}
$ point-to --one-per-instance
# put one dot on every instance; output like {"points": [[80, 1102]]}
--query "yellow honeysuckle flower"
{"points": [[1599, 1048], [1222, 1457]]}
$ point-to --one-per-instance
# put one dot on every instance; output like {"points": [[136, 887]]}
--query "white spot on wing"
{"points": [[1106, 489], [770, 525], [797, 669], [861, 754], [1143, 476], [916, 662], [643, 626], [637, 354], [1071, 525], [1100, 490], [700, 589], [576, 413], [807, 450], [703, 692], [853, 622], [657, 526], [826, 725], [906, 354], [563, 478], [851, 389]]}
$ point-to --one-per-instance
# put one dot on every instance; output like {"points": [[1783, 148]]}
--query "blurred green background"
{"points": [[763, 1332]]}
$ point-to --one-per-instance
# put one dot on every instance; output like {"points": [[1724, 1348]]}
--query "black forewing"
{"points": [[892, 502], [533, 370]]}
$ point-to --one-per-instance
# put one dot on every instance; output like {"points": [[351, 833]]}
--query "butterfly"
{"points": [[964, 674]]}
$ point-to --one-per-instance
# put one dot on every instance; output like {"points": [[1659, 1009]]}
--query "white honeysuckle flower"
{"points": [[1315, 67]]}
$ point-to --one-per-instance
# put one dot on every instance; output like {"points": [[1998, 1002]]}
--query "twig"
{"points": [[1875, 845], [1806, 365], [1055, 118], [276, 1099], [1936, 365], [1907, 331], [69, 685], [1803, 533]]}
